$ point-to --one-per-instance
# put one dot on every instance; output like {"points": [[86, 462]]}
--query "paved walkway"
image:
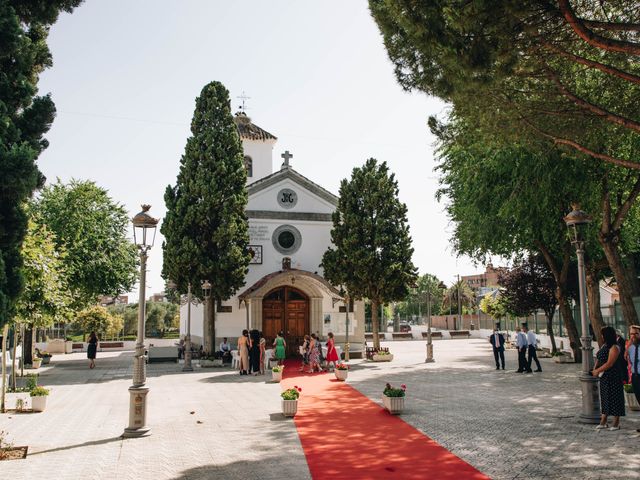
{"points": [[505, 424]]}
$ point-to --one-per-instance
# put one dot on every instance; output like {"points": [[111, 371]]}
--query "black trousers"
{"points": [[532, 356], [498, 354], [635, 381], [522, 360]]}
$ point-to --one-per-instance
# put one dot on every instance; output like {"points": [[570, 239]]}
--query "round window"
{"points": [[286, 239]]}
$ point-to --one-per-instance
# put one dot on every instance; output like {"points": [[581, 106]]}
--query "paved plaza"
{"points": [[213, 423]]}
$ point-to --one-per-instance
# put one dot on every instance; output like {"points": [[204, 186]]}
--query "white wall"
{"points": [[261, 152]]}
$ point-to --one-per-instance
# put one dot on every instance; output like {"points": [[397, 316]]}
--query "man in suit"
{"points": [[532, 340], [522, 344], [632, 356], [497, 342]]}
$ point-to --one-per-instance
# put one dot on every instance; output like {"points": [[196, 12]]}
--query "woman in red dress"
{"points": [[332, 354]]}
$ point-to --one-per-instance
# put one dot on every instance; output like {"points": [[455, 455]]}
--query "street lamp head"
{"points": [[575, 219], [206, 288], [144, 228], [442, 286]]}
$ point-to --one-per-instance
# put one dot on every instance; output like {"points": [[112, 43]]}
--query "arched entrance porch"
{"points": [[286, 309]]}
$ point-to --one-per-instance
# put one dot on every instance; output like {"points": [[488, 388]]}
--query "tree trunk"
{"points": [[593, 300], [27, 346], [375, 323], [13, 358], [624, 287], [5, 332], [552, 336], [570, 324]]}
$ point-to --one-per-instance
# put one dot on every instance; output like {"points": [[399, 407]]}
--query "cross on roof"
{"points": [[286, 155], [243, 97]]}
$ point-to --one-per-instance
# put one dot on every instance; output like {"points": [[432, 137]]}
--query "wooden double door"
{"points": [[285, 309]]}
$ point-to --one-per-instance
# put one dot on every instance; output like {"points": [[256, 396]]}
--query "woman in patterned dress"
{"points": [[611, 391], [314, 354]]}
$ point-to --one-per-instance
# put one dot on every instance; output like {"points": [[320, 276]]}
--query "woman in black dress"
{"points": [[92, 349], [254, 351], [611, 391]]}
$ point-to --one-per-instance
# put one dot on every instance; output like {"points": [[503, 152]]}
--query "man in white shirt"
{"points": [[225, 350], [521, 344], [531, 349]]}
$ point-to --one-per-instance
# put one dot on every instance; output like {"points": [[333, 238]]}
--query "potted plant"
{"points": [[341, 371], [560, 357], [382, 356], [393, 398], [290, 401], [36, 362], [39, 396], [632, 402], [276, 373]]}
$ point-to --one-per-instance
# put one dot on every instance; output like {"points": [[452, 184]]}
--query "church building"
{"points": [[289, 228]]}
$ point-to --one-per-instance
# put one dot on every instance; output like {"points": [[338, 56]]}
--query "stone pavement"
{"points": [[507, 425]]}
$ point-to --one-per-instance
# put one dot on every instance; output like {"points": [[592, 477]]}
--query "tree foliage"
{"points": [[371, 251], [426, 291], [97, 319], [562, 72], [25, 118], [91, 229], [494, 305], [45, 297], [206, 228]]}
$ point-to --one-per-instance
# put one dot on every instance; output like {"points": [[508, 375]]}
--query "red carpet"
{"points": [[346, 435]]}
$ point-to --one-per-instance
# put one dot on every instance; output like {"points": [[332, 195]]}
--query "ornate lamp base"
{"points": [[137, 413]]}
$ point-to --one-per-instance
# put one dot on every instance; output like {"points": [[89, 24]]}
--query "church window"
{"points": [[248, 165], [286, 239]]}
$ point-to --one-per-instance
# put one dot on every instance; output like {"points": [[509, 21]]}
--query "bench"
{"points": [[433, 335], [111, 344], [459, 334], [163, 354], [369, 336], [77, 346], [402, 335]]}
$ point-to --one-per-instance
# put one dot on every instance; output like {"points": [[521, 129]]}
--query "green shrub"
{"points": [[39, 391]]}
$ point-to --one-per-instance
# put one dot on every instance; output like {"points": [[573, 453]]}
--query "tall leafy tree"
{"points": [[371, 251], [92, 231], [25, 117], [564, 72], [205, 228], [529, 286], [426, 291]]}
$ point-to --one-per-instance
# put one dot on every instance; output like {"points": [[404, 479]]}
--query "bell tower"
{"points": [[257, 145]]}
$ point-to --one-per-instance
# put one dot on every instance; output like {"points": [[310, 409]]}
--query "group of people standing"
{"points": [[526, 342], [312, 356], [251, 349]]}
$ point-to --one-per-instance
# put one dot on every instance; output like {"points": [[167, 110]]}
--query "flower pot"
{"points": [[276, 377], [341, 374], [36, 362], [382, 358], [38, 404], [632, 401], [395, 405], [68, 346], [289, 408], [46, 359]]}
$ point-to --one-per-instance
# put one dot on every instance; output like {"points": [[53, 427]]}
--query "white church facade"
{"points": [[289, 227]]}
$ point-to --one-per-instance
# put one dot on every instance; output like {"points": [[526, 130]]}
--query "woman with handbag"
{"points": [[611, 390]]}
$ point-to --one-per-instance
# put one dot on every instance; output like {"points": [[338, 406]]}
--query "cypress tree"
{"points": [[205, 228], [371, 252]]}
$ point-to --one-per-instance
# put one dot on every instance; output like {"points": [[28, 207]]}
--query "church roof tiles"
{"points": [[250, 131]]}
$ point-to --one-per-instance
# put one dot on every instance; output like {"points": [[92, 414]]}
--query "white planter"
{"points": [[632, 401], [38, 404], [276, 377], [341, 374], [382, 358], [562, 359], [11, 399], [395, 405], [36, 363], [68, 346], [289, 408]]}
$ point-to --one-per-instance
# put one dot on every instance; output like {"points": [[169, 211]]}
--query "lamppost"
{"points": [[590, 400], [144, 234], [347, 302]]}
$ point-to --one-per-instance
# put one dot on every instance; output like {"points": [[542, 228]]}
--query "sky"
{"points": [[126, 75]]}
